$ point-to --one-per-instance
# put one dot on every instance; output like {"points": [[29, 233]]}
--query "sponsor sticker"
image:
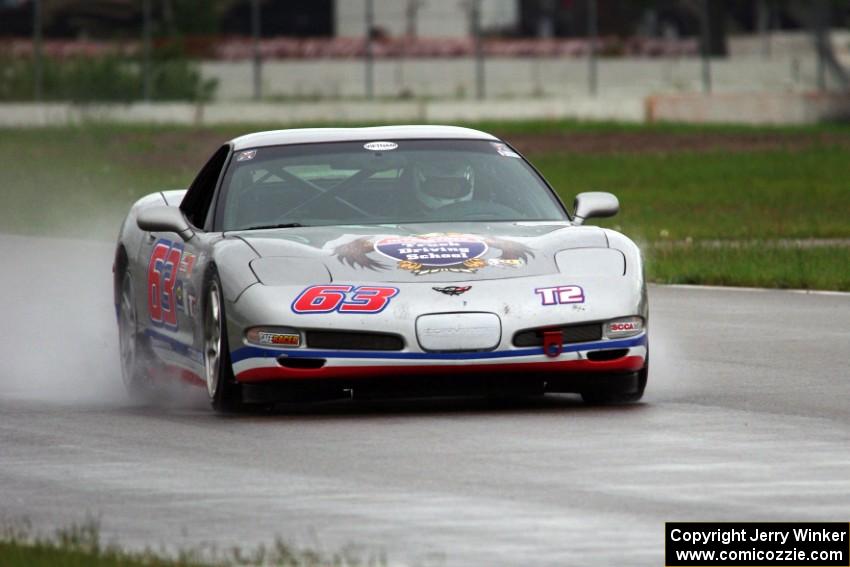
{"points": [[247, 155], [192, 304], [504, 150], [433, 253], [380, 146], [432, 250], [187, 262], [180, 296], [184, 299], [278, 339]]}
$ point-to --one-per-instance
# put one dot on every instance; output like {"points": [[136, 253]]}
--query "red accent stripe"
{"points": [[625, 364]]}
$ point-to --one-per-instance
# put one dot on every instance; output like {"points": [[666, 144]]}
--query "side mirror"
{"points": [[164, 219], [596, 204]]}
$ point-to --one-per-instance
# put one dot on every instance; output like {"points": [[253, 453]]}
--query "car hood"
{"points": [[428, 252]]}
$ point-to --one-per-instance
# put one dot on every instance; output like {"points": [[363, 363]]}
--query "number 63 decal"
{"points": [[162, 277], [343, 299]]}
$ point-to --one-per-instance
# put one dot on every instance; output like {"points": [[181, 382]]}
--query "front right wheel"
{"points": [[131, 347], [224, 392], [612, 394]]}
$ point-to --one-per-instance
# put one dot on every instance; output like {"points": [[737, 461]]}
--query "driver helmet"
{"points": [[444, 183]]}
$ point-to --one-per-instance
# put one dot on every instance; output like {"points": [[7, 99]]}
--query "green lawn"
{"points": [[789, 268], [54, 554], [81, 546], [80, 181], [773, 194], [20, 555]]}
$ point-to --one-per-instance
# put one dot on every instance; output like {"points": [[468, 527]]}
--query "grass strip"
{"points": [[823, 268], [764, 195], [81, 546]]}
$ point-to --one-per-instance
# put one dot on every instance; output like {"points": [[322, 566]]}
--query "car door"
{"points": [[174, 272]]}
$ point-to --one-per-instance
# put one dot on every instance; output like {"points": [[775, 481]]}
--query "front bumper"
{"points": [[253, 365]]}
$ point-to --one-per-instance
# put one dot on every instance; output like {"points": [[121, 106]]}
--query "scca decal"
{"points": [[343, 299], [162, 278], [560, 295]]}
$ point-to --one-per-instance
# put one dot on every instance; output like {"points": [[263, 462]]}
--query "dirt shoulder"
{"points": [[190, 148]]}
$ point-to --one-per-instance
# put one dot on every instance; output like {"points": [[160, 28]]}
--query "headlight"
{"points": [[274, 336], [625, 327], [279, 270], [580, 262]]}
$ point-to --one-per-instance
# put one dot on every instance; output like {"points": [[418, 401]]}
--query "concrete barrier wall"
{"points": [[742, 108], [327, 112], [762, 108], [509, 77]]}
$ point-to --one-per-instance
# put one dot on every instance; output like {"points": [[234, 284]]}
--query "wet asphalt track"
{"points": [[746, 417]]}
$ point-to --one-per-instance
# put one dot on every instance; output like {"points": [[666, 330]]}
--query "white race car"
{"points": [[406, 260]]}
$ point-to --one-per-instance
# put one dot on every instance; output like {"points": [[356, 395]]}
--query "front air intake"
{"points": [[349, 340], [572, 334], [610, 354], [301, 363]]}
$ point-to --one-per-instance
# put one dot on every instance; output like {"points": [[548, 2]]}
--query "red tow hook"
{"points": [[553, 343]]}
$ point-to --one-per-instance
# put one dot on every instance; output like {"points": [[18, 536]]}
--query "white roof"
{"points": [[370, 134]]}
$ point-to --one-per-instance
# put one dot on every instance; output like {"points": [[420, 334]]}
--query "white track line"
{"points": [[754, 289]]}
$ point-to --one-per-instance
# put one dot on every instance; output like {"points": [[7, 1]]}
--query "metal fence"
{"points": [[277, 65]]}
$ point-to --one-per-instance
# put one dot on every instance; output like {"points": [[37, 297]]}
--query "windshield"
{"points": [[382, 182]]}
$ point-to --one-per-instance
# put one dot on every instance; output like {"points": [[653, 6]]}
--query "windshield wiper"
{"points": [[270, 226]]}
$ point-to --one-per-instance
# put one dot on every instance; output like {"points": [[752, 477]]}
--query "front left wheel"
{"points": [[224, 393], [131, 347]]}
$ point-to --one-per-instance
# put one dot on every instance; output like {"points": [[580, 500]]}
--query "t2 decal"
{"points": [[560, 294], [162, 278], [343, 299]]}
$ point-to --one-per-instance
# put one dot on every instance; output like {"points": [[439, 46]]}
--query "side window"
{"points": [[196, 204]]}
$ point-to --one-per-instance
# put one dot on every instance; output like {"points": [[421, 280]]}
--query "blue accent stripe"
{"points": [[261, 352], [176, 346]]}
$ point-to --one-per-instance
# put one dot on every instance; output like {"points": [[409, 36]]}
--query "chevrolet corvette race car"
{"points": [[411, 260]]}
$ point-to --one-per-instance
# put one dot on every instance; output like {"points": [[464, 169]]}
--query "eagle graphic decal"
{"points": [[432, 253]]}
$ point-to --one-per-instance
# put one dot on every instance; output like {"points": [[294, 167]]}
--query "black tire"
{"points": [[615, 395], [132, 349], [224, 392]]}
